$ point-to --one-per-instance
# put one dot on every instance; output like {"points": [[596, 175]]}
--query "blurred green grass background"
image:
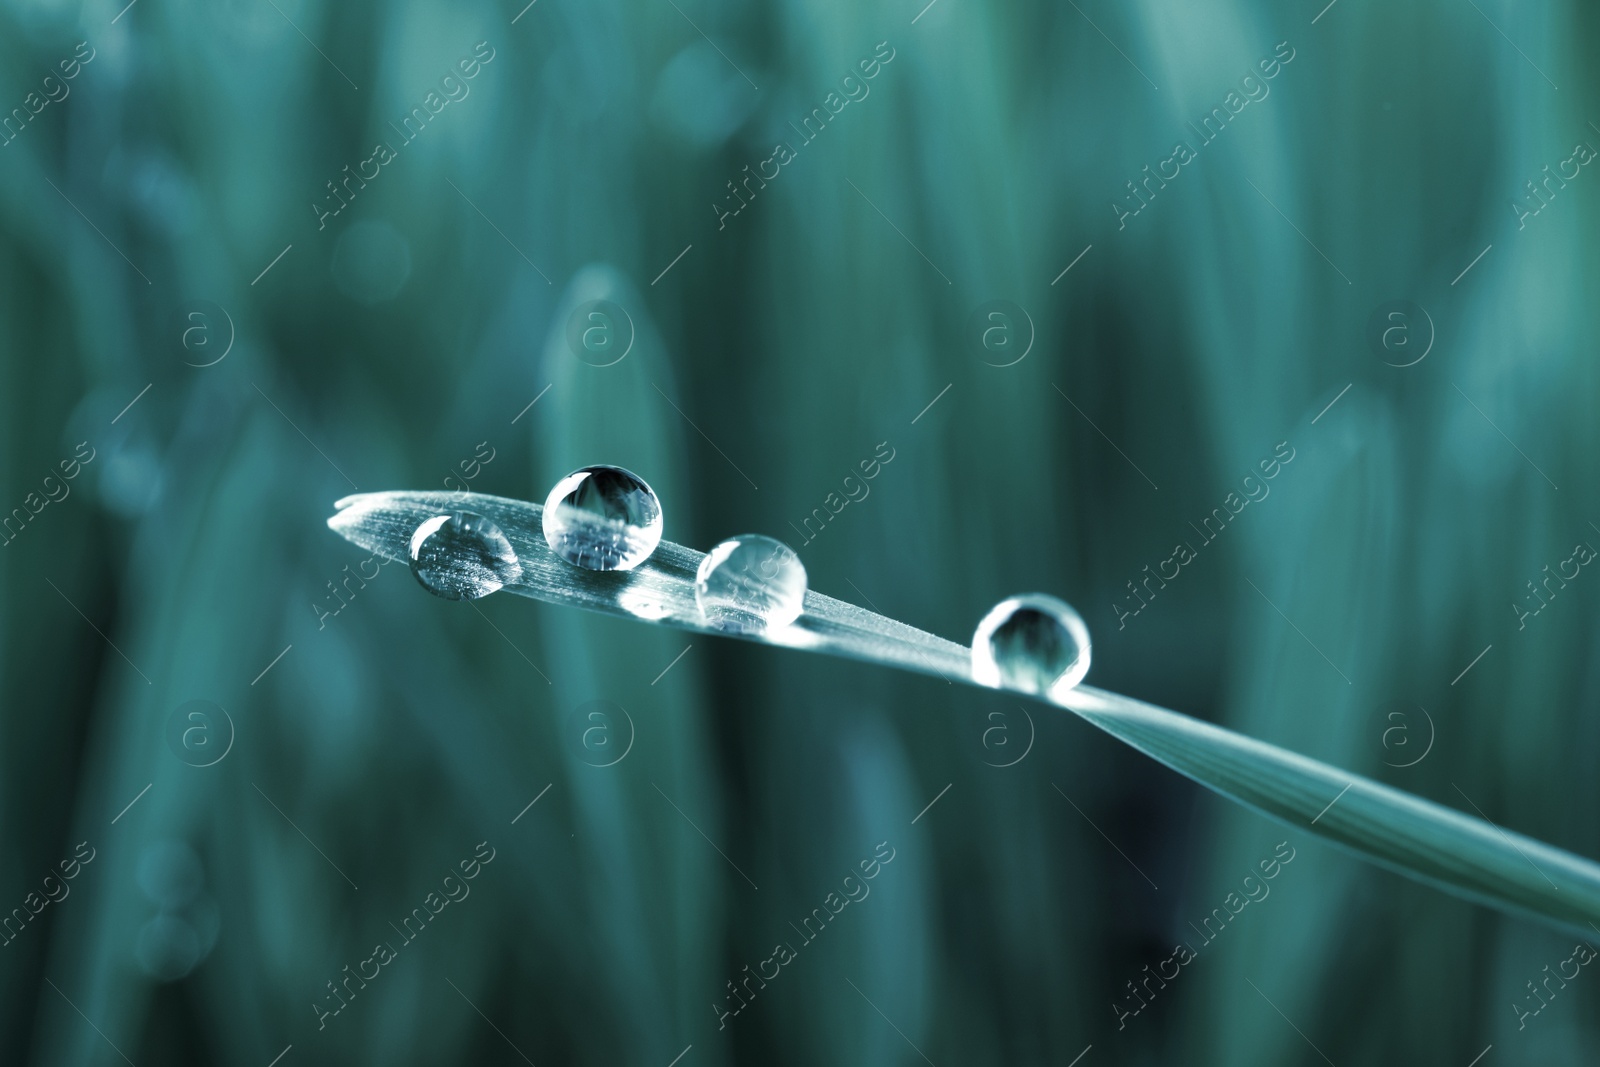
{"points": [[390, 341]]}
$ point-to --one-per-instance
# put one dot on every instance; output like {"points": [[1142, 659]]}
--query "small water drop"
{"points": [[462, 556], [602, 518], [643, 604], [1034, 643], [168, 947], [749, 584]]}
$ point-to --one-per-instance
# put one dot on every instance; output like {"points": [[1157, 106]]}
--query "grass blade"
{"points": [[659, 590], [1447, 849], [1406, 834]]}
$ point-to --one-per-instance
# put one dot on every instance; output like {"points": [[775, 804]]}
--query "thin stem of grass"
{"points": [[1466, 856]]}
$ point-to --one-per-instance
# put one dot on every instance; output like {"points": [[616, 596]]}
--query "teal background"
{"points": [[789, 341]]}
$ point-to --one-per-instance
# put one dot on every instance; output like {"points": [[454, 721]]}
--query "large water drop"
{"points": [[749, 584], [462, 556], [603, 518], [1034, 643]]}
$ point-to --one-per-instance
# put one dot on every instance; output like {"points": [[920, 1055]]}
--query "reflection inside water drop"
{"points": [[602, 518], [1034, 643], [462, 556], [749, 584]]}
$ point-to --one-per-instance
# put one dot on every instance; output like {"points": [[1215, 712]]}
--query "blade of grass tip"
{"points": [[1417, 838], [660, 590]]}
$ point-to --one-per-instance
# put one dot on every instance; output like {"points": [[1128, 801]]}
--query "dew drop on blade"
{"points": [[749, 584], [462, 556], [1034, 643], [602, 518]]}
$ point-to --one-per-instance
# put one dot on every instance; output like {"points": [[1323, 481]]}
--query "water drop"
{"points": [[750, 583], [168, 947], [602, 518], [643, 604], [462, 556], [1034, 643]]}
